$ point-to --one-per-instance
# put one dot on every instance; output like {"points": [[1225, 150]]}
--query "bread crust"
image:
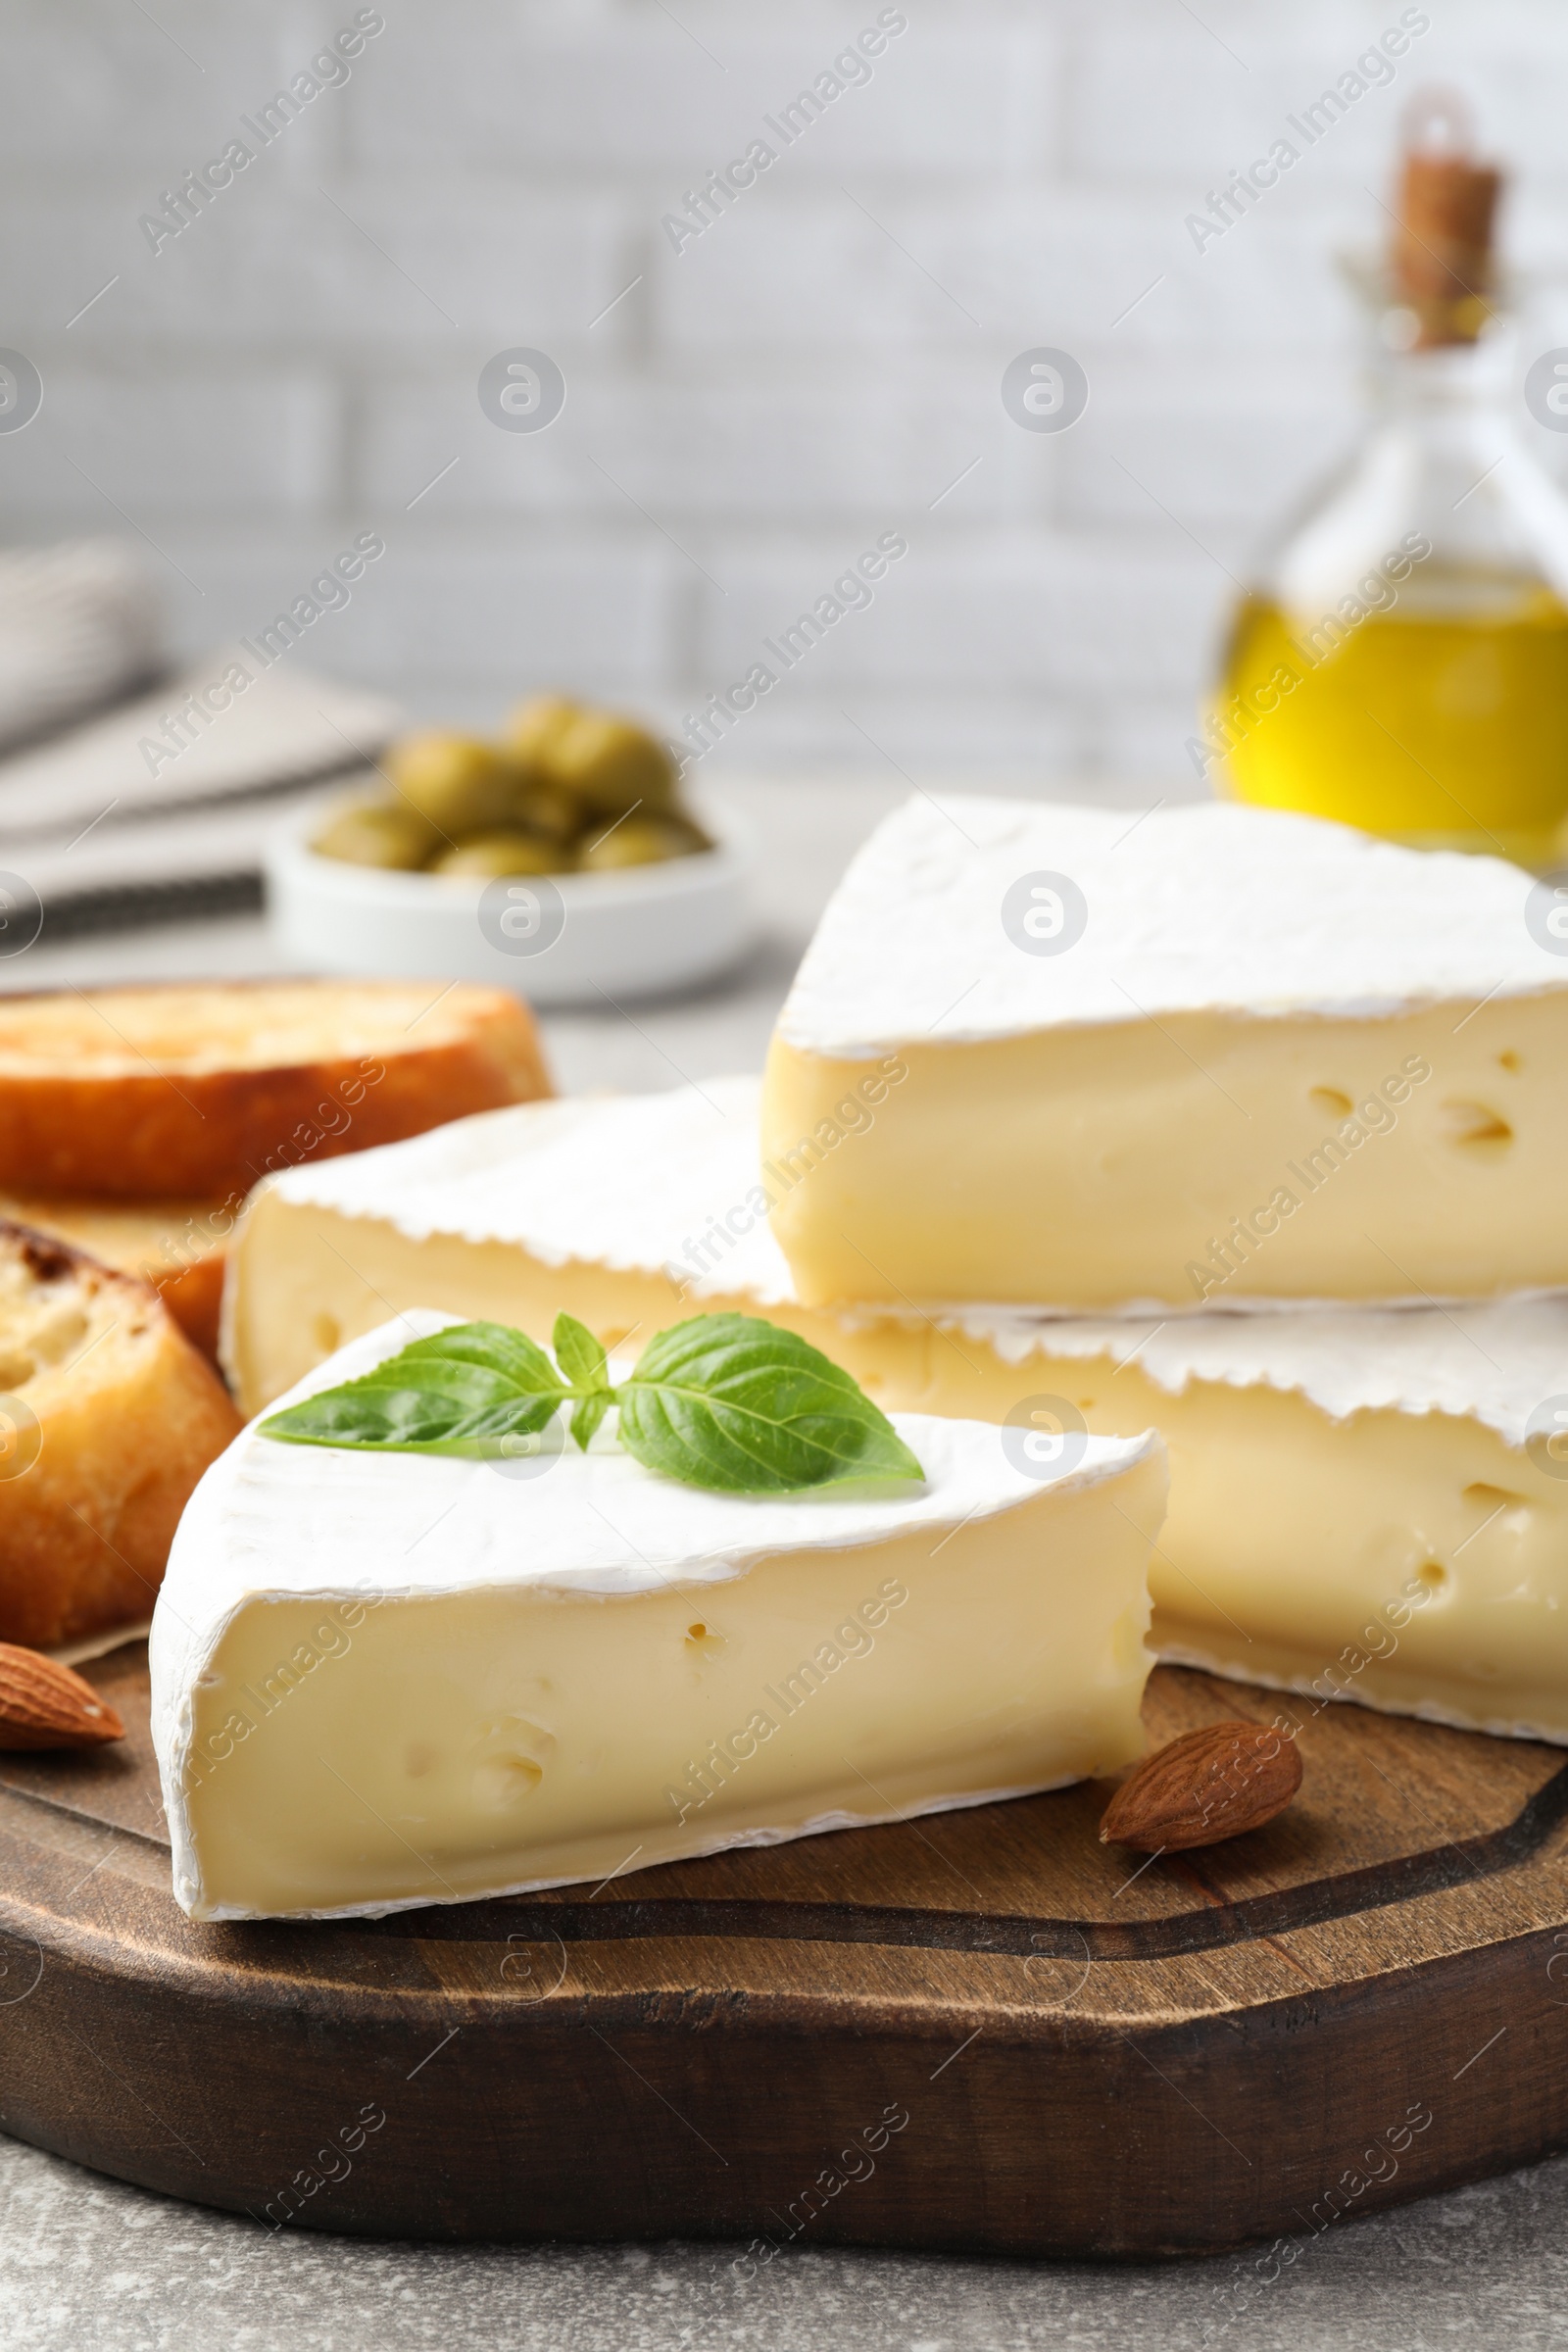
{"points": [[117, 1426], [194, 1298], [140, 1093]]}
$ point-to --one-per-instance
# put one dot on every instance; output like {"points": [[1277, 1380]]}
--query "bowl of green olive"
{"points": [[562, 861]]}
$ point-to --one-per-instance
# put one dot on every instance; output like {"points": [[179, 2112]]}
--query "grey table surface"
{"points": [[89, 2262]]}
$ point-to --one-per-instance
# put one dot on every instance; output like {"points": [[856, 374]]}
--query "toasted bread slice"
{"points": [[147, 1093], [107, 1418], [180, 1246]]}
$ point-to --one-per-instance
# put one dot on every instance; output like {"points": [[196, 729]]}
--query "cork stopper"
{"points": [[1447, 210]]}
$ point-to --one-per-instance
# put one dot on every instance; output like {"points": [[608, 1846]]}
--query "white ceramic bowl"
{"points": [[568, 940]]}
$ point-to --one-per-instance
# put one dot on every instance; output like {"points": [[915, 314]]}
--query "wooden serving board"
{"points": [[980, 2030]]}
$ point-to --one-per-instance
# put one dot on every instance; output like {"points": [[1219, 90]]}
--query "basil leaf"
{"points": [[580, 1355], [492, 1347], [729, 1402], [462, 1392], [588, 1412], [723, 1402]]}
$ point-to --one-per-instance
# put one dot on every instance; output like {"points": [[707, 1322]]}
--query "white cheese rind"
{"points": [[626, 1180], [1495, 1364], [275, 1523], [1502, 1725], [296, 1505], [1214, 908]]}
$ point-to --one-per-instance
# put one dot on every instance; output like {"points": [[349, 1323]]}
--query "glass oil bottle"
{"points": [[1400, 662]]}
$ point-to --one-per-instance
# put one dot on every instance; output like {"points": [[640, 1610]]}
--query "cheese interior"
{"points": [[1417, 1564], [1205, 1158], [431, 1747], [308, 1279]]}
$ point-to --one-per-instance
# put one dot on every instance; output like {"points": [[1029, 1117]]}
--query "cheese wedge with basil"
{"points": [[389, 1679], [1075, 1058]]}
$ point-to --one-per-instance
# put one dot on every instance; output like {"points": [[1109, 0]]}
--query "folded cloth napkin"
{"points": [[79, 624], [160, 807]]}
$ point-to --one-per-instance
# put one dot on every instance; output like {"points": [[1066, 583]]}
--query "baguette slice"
{"points": [[107, 1418], [148, 1092], [180, 1246]]}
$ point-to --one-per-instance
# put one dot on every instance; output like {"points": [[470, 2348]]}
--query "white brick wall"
{"points": [[819, 366]]}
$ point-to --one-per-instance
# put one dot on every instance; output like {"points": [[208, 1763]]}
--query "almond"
{"points": [[43, 1704], [1209, 1785]]}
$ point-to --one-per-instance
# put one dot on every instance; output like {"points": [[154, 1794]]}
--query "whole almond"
{"points": [[1209, 1785], [43, 1704]]}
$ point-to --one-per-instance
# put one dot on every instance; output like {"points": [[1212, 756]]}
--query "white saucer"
{"points": [[563, 939]]}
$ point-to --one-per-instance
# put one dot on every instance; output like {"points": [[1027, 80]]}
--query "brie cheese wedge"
{"points": [[1066, 1057], [389, 1679]]}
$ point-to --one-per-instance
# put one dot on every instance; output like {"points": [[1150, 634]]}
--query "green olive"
{"points": [[536, 725], [546, 810], [458, 783], [503, 853], [610, 766], [640, 841], [378, 833]]}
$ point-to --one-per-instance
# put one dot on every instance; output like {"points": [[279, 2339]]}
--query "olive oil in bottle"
{"points": [[1401, 661]]}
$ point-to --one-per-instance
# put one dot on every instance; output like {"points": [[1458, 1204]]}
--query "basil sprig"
{"points": [[723, 1402]]}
